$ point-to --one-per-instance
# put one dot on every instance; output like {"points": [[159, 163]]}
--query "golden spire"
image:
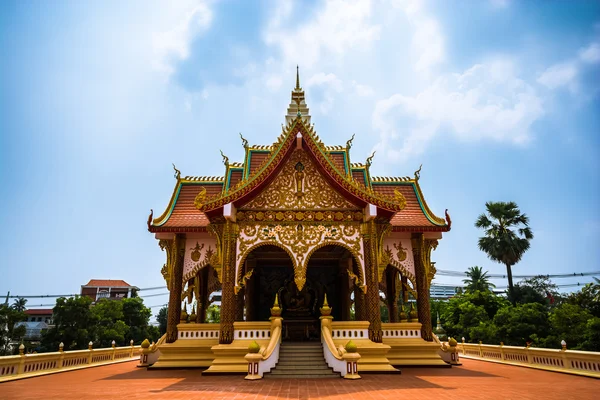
{"points": [[298, 78]]}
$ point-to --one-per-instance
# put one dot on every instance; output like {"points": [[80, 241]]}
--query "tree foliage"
{"points": [[77, 322], [11, 332], [507, 235], [490, 318], [161, 317], [477, 280]]}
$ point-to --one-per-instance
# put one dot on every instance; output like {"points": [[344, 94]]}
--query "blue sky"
{"points": [[497, 99]]}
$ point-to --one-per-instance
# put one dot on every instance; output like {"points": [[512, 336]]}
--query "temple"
{"points": [[307, 249]]}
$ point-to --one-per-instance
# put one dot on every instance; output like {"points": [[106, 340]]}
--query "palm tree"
{"points": [[19, 304], [478, 280], [507, 235]]}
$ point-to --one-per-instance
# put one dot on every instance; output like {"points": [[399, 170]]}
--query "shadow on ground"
{"points": [[191, 380]]}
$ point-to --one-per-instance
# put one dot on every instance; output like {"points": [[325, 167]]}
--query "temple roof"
{"points": [[196, 199]]}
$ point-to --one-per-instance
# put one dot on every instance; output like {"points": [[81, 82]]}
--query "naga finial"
{"points": [[177, 172], [370, 159], [448, 220], [149, 222], [225, 158], [244, 141], [418, 172], [349, 142]]}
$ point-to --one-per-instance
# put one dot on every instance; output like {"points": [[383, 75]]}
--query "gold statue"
{"points": [[200, 198], [299, 175]]}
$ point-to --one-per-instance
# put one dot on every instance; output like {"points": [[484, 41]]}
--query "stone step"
{"points": [[319, 361], [311, 351], [292, 376], [303, 372], [302, 367]]}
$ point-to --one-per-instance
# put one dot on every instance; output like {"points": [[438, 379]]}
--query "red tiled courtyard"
{"points": [[474, 380]]}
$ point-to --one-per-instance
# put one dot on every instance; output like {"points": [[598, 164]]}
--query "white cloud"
{"points": [[427, 41], [339, 27], [330, 85], [500, 3], [559, 75], [362, 90], [274, 82], [590, 54], [174, 44], [487, 101]]}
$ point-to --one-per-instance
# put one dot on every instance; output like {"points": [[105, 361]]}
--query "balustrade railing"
{"points": [[585, 363], [24, 365]]}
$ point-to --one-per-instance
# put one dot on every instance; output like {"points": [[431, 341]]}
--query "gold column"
{"points": [[174, 273], [360, 307], [203, 295], [391, 295], [372, 295], [228, 299], [404, 281], [424, 273]]}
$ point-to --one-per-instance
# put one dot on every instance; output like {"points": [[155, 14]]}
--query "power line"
{"points": [[570, 275]]}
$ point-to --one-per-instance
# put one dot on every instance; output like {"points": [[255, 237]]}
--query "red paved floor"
{"points": [[474, 380]]}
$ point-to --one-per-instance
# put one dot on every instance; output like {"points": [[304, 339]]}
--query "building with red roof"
{"points": [[113, 289]]}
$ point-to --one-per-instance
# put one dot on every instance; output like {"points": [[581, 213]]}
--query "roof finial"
{"points": [[177, 172], [298, 78], [370, 159], [225, 158], [349, 142], [244, 141], [418, 173]]}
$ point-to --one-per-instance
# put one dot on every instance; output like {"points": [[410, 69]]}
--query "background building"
{"points": [[108, 289]]}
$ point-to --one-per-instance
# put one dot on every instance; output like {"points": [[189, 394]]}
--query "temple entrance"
{"points": [[273, 273]]}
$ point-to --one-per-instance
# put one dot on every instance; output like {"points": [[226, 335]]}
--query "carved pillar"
{"points": [[392, 294], [228, 300], [239, 304], [372, 295], [360, 306], [203, 295], [404, 281], [424, 272], [174, 274]]}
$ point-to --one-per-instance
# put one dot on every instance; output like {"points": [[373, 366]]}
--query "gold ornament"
{"points": [[399, 199], [195, 256], [200, 199]]}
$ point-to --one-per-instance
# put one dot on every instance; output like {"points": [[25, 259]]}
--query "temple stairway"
{"points": [[301, 360]]}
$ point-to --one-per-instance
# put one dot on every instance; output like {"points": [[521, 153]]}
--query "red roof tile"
{"points": [[108, 283], [39, 311]]}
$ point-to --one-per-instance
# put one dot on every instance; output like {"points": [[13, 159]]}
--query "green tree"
{"points": [[19, 304], [477, 280], [213, 314], [507, 235], [568, 322], [538, 289], [469, 314], [73, 323], [137, 317], [109, 324], [587, 298], [161, 317], [518, 324], [11, 331]]}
